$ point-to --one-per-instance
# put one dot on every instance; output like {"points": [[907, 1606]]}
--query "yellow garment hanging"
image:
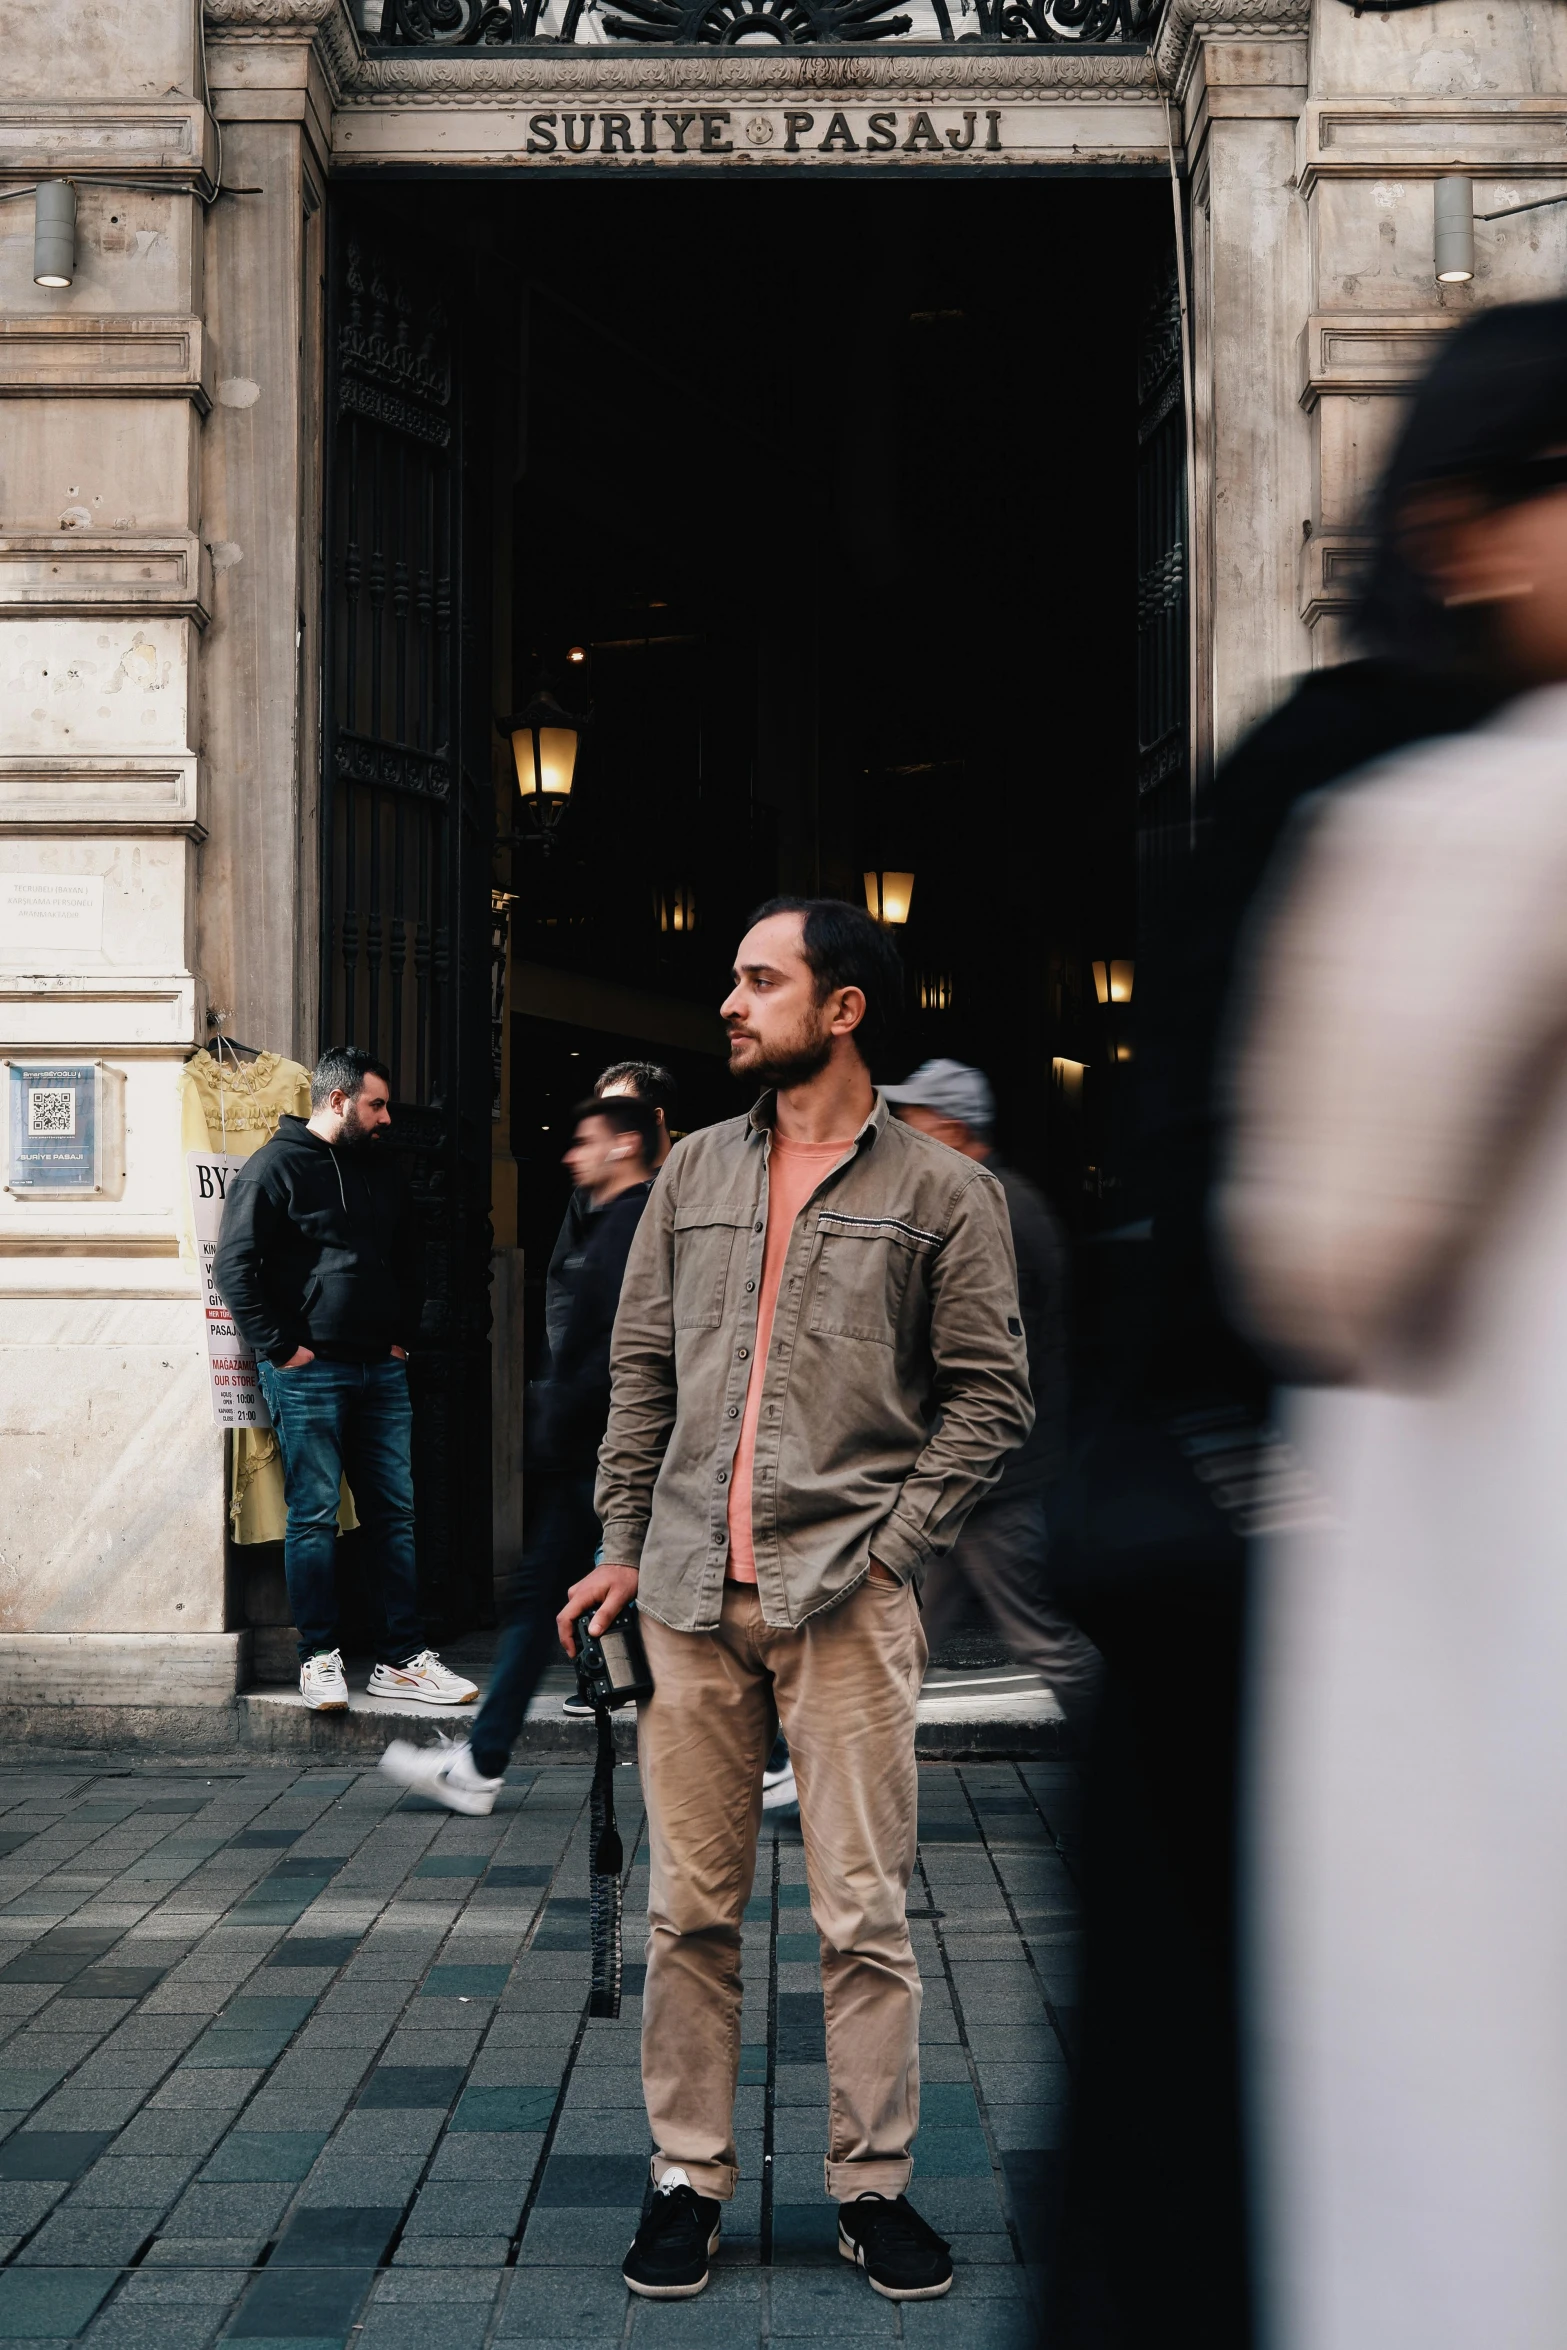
{"points": [[227, 1106]]}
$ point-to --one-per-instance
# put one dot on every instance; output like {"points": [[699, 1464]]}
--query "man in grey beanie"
{"points": [[1002, 1555]]}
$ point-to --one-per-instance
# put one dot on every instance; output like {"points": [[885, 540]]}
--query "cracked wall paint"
{"points": [[71, 685]]}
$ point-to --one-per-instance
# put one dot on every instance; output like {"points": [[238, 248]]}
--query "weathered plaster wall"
{"points": [[1394, 102], [111, 1506]]}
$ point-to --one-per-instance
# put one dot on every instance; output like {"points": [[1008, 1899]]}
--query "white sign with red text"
{"points": [[237, 1401]]}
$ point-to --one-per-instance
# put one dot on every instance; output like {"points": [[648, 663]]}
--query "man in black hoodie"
{"points": [[611, 1160], [321, 1264]]}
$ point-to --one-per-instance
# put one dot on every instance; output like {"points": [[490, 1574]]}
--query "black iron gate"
{"points": [[1164, 813], [406, 827]]}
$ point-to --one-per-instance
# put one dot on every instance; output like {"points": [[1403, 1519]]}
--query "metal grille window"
{"points": [[405, 833], [683, 24], [1163, 778], [393, 525]]}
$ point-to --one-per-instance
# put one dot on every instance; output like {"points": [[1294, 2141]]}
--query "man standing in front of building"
{"points": [[1001, 1555], [321, 1264], [818, 1368]]}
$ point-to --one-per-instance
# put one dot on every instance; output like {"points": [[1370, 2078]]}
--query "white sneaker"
{"points": [[321, 1683], [444, 1771], [779, 1791], [423, 1677], [577, 1709]]}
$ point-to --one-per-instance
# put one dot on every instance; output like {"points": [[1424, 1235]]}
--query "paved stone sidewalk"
{"points": [[290, 2059]]}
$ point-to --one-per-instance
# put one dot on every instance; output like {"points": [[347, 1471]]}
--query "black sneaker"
{"points": [[670, 2252], [903, 2258]]}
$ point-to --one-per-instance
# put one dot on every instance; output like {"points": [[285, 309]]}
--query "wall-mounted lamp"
{"points": [[54, 229], [54, 234], [935, 991], [544, 744], [1453, 226], [888, 896], [1113, 982], [1453, 237]]}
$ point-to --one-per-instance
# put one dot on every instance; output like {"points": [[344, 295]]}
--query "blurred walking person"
{"points": [[643, 1081], [818, 1369], [610, 1159], [1152, 1555], [1001, 1557], [1396, 1213]]}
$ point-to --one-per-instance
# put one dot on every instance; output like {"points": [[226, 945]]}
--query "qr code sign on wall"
{"points": [[51, 1109]]}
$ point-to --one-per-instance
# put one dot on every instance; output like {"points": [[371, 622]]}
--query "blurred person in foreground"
{"points": [[1153, 1533], [1001, 1556], [1395, 1206], [817, 1371], [611, 1164]]}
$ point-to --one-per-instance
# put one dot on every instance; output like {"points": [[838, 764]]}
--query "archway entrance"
{"points": [[835, 489]]}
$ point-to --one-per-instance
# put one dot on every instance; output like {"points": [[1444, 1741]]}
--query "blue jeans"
{"points": [[347, 1419], [561, 1541]]}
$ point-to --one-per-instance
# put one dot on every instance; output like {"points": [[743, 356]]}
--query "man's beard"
{"points": [[353, 1132], [795, 1065]]}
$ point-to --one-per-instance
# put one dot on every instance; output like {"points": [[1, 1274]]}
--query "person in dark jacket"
{"points": [[611, 1159], [647, 1082], [1001, 1555], [321, 1264]]}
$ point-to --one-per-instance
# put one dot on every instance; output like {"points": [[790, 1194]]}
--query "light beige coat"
{"points": [[1395, 1211]]}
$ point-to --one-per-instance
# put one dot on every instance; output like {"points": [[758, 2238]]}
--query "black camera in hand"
{"points": [[612, 1666]]}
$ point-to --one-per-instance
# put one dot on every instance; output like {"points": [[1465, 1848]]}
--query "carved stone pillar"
{"points": [[273, 66], [1237, 71]]}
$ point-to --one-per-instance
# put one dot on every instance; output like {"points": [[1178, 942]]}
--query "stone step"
{"points": [[1005, 1712], [965, 1713]]}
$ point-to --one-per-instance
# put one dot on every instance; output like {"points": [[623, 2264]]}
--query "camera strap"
{"points": [[605, 1862]]}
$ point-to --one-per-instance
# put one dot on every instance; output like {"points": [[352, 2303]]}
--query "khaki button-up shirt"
{"points": [[896, 1379]]}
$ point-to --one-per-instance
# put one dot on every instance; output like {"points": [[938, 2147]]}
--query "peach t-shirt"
{"points": [[794, 1169]]}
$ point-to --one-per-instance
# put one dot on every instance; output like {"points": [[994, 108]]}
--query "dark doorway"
{"points": [[405, 822], [835, 488]]}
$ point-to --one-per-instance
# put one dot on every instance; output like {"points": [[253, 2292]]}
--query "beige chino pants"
{"points": [[845, 1686]]}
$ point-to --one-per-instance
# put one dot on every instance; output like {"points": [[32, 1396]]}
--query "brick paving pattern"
{"points": [[290, 2059]]}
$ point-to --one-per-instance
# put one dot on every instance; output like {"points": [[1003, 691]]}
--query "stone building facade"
{"points": [[162, 595]]}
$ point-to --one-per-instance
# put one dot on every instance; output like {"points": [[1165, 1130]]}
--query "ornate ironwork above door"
{"points": [[792, 24]]}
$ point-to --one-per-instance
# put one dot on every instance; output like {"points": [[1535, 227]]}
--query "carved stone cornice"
{"points": [[325, 24], [1186, 24], [746, 77]]}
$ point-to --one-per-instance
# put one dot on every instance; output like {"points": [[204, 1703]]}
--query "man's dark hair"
{"points": [[843, 947], [649, 1082], [343, 1068], [624, 1113]]}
